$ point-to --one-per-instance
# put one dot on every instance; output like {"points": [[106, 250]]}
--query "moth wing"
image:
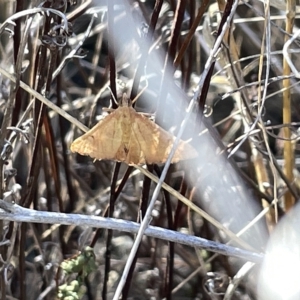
{"points": [[151, 144], [103, 141]]}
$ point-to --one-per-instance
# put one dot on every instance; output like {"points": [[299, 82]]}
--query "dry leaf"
{"points": [[130, 137]]}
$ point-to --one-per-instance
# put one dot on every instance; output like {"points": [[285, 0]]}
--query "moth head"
{"points": [[125, 101]]}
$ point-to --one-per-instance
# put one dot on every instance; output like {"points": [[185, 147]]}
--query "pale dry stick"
{"points": [[276, 62], [181, 198], [191, 276], [96, 98], [254, 83], [40, 97], [243, 271], [196, 209], [49, 231], [259, 14], [262, 214], [288, 149], [16, 213], [52, 286], [190, 35], [258, 162], [261, 100], [249, 134], [256, 57], [258, 19], [95, 62], [21, 52], [279, 4], [253, 132], [247, 267], [274, 173], [75, 104], [147, 217], [231, 131], [73, 51], [235, 72], [32, 11], [286, 52], [18, 65], [79, 9], [283, 89], [16, 225], [22, 119], [198, 252], [241, 232], [97, 29], [240, 20], [260, 167], [237, 112], [17, 69]]}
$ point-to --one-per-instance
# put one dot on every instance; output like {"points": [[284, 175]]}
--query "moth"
{"points": [[130, 137]]}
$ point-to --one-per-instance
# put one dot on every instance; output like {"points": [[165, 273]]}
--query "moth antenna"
{"points": [[140, 93], [112, 95]]}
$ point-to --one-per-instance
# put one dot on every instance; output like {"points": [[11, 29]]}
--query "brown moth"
{"points": [[127, 136]]}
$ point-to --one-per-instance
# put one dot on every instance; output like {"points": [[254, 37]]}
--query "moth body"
{"points": [[130, 137]]}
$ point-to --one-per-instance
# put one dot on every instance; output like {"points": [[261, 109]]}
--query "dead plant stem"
{"points": [[288, 153]]}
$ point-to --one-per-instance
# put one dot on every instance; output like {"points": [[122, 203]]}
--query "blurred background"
{"points": [[83, 54]]}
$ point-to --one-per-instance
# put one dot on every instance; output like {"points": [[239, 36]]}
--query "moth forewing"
{"points": [[127, 136]]}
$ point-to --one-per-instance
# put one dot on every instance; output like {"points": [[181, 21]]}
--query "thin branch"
{"points": [[147, 218], [16, 213]]}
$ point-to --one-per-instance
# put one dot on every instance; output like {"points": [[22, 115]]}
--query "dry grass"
{"points": [[222, 80]]}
